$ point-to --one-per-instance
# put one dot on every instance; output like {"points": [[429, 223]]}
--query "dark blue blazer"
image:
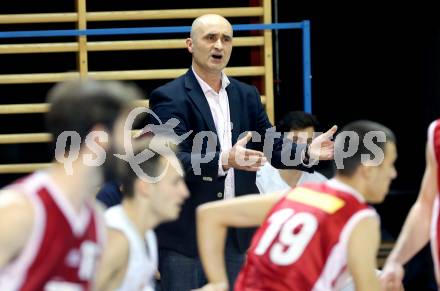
{"points": [[184, 100]]}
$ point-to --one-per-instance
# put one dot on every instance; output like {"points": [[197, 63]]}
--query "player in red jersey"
{"points": [[422, 223], [51, 234], [313, 237]]}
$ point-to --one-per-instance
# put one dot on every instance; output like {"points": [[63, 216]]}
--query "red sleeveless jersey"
{"points": [[302, 245], [63, 247], [434, 147]]}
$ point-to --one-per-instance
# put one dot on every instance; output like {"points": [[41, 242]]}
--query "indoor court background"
{"points": [[377, 61]]}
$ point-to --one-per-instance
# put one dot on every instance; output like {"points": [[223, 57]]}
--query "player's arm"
{"points": [[362, 251], [213, 220], [114, 259], [415, 232], [16, 223]]}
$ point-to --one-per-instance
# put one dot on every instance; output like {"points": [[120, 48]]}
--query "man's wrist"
{"points": [[394, 259], [223, 163]]}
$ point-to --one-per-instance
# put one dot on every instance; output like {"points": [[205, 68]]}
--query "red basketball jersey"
{"points": [[302, 245], [63, 247], [434, 147]]}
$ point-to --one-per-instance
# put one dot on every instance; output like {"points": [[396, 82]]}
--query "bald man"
{"points": [[219, 111]]}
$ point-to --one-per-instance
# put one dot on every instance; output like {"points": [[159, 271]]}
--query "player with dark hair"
{"points": [[130, 257], [51, 233], [313, 237]]}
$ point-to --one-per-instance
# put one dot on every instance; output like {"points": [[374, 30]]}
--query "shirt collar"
{"points": [[205, 87], [339, 185]]}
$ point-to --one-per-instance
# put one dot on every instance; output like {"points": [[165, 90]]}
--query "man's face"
{"points": [[211, 44], [168, 195], [301, 135], [119, 133], [115, 145], [381, 176]]}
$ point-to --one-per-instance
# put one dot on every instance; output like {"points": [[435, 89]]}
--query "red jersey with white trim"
{"points": [[434, 148], [302, 244], [63, 247]]}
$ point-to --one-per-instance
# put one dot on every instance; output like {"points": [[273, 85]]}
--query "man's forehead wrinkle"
{"points": [[216, 33]]}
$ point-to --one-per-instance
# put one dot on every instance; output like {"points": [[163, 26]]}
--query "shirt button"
{"points": [[219, 194]]}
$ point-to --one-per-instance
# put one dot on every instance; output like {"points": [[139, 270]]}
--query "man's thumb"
{"points": [[329, 133], [243, 141]]}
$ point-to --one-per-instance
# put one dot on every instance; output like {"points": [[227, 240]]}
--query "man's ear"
{"points": [[141, 188], [99, 136], [189, 44]]}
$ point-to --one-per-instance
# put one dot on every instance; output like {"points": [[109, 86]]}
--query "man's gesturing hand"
{"points": [[322, 147], [239, 157]]}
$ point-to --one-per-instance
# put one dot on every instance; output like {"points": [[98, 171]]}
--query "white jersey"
{"points": [[142, 261], [269, 179]]}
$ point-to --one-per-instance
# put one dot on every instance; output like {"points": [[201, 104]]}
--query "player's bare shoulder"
{"points": [[16, 209], [16, 222]]}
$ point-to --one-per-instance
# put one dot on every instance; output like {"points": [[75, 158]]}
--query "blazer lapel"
{"points": [[234, 110], [199, 99]]}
